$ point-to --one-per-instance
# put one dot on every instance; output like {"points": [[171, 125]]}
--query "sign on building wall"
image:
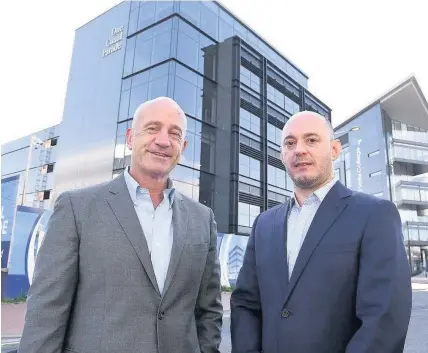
{"points": [[358, 166], [30, 228], [9, 195], [114, 43]]}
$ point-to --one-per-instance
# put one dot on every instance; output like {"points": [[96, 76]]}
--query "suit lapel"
{"points": [[179, 222], [332, 206], [122, 206], [279, 243]]}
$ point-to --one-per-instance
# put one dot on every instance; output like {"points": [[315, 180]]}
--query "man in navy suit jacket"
{"points": [[327, 271]]}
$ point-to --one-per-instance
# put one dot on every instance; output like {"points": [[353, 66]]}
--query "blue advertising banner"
{"points": [[30, 228], [9, 194]]}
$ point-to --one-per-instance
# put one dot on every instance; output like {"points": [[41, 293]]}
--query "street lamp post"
{"points": [[34, 141], [343, 133]]}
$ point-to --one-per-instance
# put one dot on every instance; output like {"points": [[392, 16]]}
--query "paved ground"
{"points": [[417, 338]]}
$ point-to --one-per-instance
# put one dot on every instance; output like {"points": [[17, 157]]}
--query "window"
{"points": [[209, 21], [153, 46], [195, 95], [186, 180], [375, 174], [375, 153], [50, 168], [247, 214], [274, 134], [250, 79], [337, 174], [146, 85], [249, 189], [315, 106], [195, 49], [199, 153], [276, 177], [52, 142], [44, 195], [249, 121], [282, 100], [122, 155], [249, 167]]}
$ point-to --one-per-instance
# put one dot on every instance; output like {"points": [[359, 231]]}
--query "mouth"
{"points": [[302, 164], [160, 154]]}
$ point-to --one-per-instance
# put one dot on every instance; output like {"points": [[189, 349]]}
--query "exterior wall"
{"points": [[367, 154], [14, 158], [92, 102]]}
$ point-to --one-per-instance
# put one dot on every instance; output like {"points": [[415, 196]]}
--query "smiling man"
{"points": [[129, 265], [326, 271]]}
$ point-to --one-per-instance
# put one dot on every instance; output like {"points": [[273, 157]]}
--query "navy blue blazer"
{"points": [[350, 290]]}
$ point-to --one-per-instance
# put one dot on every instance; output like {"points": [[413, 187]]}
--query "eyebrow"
{"points": [[308, 134], [158, 123]]}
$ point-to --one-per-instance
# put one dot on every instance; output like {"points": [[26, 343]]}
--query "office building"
{"points": [[235, 88], [35, 169], [385, 154]]}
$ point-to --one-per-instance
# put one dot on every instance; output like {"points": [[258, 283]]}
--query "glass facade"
{"points": [[174, 49], [39, 183]]}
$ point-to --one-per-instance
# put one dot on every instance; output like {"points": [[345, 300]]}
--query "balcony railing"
{"points": [[415, 234], [415, 136], [416, 219], [414, 193], [415, 154]]}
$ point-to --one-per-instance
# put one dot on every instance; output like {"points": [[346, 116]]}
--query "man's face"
{"points": [[308, 151], [157, 139]]}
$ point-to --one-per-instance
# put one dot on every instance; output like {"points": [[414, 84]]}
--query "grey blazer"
{"points": [[94, 287]]}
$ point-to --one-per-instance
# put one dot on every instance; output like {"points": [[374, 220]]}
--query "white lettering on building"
{"points": [[4, 223], [114, 43], [359, 171]]}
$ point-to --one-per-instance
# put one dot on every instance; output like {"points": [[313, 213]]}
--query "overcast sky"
{"points": [[353, 51]]}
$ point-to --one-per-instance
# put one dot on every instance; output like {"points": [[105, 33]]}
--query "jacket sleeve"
{"points": [[384, 292], [209, 308], [54, 283], [246, 315]]}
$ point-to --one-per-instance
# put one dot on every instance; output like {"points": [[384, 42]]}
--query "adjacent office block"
{"points": [[16, 159], [385, 153]]}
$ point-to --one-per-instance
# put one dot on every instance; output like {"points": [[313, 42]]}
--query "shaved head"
{"points": [[310, 115], [156, 139], [308, 150], [164, 101]]}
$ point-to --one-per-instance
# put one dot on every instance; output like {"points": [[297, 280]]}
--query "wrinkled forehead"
{"points": [[163, 113]]}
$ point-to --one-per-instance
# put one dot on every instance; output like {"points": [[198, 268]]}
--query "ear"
{"points": [[336, 149], [184, 146], [129, 138]]}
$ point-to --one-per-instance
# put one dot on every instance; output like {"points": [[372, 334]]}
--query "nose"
{"points": [[300, 148], [162, 139]]}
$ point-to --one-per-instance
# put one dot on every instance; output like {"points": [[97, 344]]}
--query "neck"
{"points": [[302, 194], [153, 183]]}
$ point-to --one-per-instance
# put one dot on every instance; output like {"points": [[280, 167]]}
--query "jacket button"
{"points": [[161, 315], [285, 313]]}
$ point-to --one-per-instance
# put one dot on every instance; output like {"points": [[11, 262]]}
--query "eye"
{"points": [[312, 140], [289, 144], [176, 134], [151, 129]]}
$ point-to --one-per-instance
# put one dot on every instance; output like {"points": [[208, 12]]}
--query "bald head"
{"points": [[164, 103], [308, 118], [156, 139], [309, 149]]}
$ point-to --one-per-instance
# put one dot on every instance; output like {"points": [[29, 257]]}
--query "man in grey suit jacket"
{"points": [[129, 265]]}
